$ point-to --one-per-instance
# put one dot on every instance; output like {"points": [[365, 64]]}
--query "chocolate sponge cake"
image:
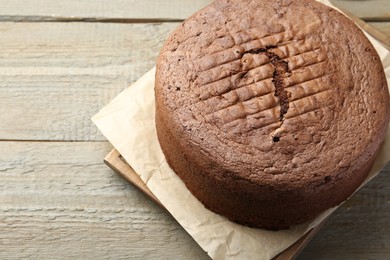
{"points": [[270, 111]]}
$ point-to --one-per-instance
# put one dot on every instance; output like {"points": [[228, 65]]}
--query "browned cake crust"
{"points": [[270, 111]]}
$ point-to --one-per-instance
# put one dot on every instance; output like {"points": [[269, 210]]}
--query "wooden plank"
{"points": [[368, 10], [59, 200], [100, 9], [55, 76], [122, 10], [360, 229]]}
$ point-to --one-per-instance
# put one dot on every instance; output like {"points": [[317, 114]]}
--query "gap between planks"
{"points": [[149, 9], [52, 19], [52, 141]]}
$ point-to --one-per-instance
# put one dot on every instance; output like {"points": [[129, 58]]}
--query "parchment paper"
{"points": [[128, 123]]}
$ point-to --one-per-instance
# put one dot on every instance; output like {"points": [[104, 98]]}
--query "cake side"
{"points": [[248, 204]]}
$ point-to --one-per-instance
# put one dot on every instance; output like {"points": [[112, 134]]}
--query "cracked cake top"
{"points": [[273, 90]]}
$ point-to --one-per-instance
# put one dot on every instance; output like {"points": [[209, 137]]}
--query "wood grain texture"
{"points": [[131, 10], [55, 76], [59, 201], [99, 9]]}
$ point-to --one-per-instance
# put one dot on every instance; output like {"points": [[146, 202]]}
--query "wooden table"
{"points": [[60, 62]]}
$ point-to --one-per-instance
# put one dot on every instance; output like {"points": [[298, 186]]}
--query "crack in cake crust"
{"points": [[281, 70]]}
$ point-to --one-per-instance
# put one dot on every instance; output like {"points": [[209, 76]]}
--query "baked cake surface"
{"points": [[270, 111]]}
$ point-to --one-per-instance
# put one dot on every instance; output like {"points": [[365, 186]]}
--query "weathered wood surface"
{"points": [[57, 199], [98, 9], [55, 76], [128, 10]]}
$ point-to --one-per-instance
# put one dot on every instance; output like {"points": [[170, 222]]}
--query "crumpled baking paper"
{"points": [[128, 123]]}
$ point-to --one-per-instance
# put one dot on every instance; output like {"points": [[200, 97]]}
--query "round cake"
{"points": [[270, 111]]}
